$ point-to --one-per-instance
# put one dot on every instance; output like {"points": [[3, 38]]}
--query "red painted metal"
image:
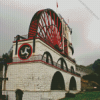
{"points": [[60, 27], [45, 26], [33, 28]]}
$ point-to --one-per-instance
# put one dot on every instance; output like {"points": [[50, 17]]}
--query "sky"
{"points": [[83, 16]]}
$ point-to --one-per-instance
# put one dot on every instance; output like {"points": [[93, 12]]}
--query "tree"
{"points": [[92, 77], [7, 58], [96, 66]]}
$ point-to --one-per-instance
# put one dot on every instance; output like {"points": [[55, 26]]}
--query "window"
{"points": [[19, 94], [72, 69]]}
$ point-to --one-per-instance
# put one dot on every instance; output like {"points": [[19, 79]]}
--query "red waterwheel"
{"points": [[47, 25]]}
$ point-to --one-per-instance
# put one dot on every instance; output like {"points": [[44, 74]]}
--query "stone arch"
{"points": [[62, 63], [72, 69], [19, 94], [58, 82], [72, 84], [47, 57]]}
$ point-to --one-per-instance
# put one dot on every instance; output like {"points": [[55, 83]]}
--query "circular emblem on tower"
{"points": [[25, 51]]}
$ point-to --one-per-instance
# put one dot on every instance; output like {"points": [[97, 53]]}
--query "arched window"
{"points": [[57, 82], [72, 69], [72, 84], [47, 58], [19, 94], [62, 64]]}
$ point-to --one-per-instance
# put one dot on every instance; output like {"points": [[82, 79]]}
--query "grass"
{"points": [[85, 96]]}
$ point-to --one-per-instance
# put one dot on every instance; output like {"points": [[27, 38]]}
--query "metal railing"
{"points": [[44, 59]]}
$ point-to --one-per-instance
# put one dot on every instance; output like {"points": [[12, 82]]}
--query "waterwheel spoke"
{"points": [[46, 26], [45, 32], [60, 27], [47, 18], [42, 28], [53, 23], [50, 27], [40, 25], [44, 20], [51, 17]]}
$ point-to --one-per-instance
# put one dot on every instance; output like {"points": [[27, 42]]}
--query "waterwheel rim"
{"points": [[47, 25]]}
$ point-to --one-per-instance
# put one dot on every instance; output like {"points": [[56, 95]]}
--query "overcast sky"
{"points": [[83, 16]]}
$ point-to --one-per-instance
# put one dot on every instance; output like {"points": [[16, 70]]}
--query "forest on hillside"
{"points": [[95, 75]]}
